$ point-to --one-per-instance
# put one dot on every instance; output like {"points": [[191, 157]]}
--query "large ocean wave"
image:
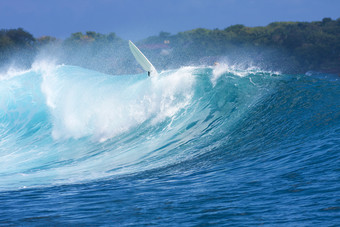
{"points": [[66, 124]]}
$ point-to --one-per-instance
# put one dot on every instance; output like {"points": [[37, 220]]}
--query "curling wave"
{"points": [[66, 124]]}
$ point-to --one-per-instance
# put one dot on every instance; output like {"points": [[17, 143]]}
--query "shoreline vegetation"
{"points": [[289, 47]]}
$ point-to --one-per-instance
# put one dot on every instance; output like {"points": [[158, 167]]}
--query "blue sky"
{"points": [[137, 19]]}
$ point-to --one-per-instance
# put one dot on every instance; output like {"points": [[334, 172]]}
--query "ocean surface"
{"points": [[194, 146]]}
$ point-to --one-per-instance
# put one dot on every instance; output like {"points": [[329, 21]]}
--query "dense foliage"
{"points": [[287, 46], [297, 46], [16, 43]]}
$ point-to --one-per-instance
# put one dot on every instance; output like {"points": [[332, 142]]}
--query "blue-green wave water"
{"points": [[194, 146]]}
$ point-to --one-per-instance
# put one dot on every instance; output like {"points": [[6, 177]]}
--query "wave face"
{"points": [[221, 130]]}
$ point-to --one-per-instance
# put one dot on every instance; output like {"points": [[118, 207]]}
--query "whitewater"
{"points": [[207, 145]]}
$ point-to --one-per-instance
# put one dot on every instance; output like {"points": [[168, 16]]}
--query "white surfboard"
{"points": [[142, 60]]}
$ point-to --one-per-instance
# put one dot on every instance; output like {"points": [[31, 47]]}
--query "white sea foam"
{"points": [[236, 70], [87, 103]]}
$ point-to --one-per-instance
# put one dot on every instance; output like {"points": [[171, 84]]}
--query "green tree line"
{"points": [[302, 46], [287, 46]]}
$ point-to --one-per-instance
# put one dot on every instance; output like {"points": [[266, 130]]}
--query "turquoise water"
{"points": [[195, 146]]}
